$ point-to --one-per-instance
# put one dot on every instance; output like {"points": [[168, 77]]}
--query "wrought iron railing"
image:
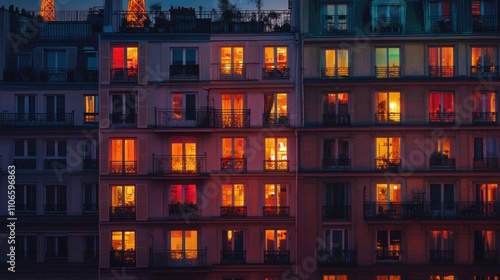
{"points": [[483, 256], [440, 24], [183, 211], [233, 72], [484, 23], [388, 117], [388, 164], [442, 118], [388, 25], [336, 163], [182, 118], [122, 258], [441, 256], [90, 164], [276, 165], [168, 164], [388, 255], [336, 119], [277, 257], [281, 119], [123, 75], [485, 163], [90, 118], [337, 257], [56, 256], [276, 211], [233, 164], [233, 211], [122, 212], [51, 75], [276, 73], [123, 167], [232, 118], [36, 119], [178, 258], [484, 71], [337, 212], [335, 72], [441, 71], [442, 164], [387, 72], [24, 163], [123, 120], [233, 257], [335, 23], [484, 117], [184, 72]]}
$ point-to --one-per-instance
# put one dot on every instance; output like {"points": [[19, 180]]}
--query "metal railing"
{"points": [[54, 208], [90, 118], [335, 72], [55, 164], [387, 72], [233, 211], [441, 71], [485, 164], [336, 212], [484, 71], [391, 25], [388, 255], [276, 73], [24, 163], [123, 167], [281, 119], [183, 211], [276, 165], [388, 164], [484, 117], [122, 258], [336, 163], [484, 23], [446, 118], [26, 207], [90, 207], [178, 258], [276, 211], [388, 118], [36, 119], [56, 256], [123, 75], [337, 257], [277, 257], [233, 164], [440, 24], [56, 75], [233, 257], [442, 164], [231, 118], [123, 120], [485, 256], [122, 212], [182, 118], [441, 256], [168, 164], [336, 119], [90, 164], [335, 23], [184, 72]]}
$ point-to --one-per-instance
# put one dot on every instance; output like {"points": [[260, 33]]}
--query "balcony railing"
{"points": [[122, 212], [183, 211], [122, 258], [335, 23], [55, 164], [182, 118], [232, 118], [337, 257], [90, 118], [55, 208], [24, 163], [123, 167], [442, 164], [36, 119], [484, 23], [485, 256], [233, 257], [123, 75], [438, 256], [335, 72], [90, 164], [186, 258], [391, 25], [388, 255], [168, 164], [336, 119], [388, 164], [233, 164], [90, 207], [90, 256], [51, 75], [442, 118], [485, 164], [384, 118], [280, 119], [184, 72], [28, 207], [387, 72], [484, 71], [277, 165], [26, 256], [336, 163], [441, 71], [440, 25], [233, 211], [337, 212], [276, 73], [61, 256], [484, 117], [123, 120], [276, 211], [234, 72], [277, 257], [463, 210]]}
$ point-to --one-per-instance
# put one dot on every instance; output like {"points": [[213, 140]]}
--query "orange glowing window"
{"points": [[124, 57], [123, 150]]}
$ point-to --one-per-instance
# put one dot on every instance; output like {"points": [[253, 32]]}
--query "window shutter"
{"points": [[142, 202], [103, 159], [103, 109], [104, 63], [143, 76], [104, 202], [142, 253], [143, 156], [142, 116], [104, 247]]}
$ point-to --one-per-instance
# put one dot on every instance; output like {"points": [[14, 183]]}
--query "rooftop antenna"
{"points": [[47, 10], [136, 13]]}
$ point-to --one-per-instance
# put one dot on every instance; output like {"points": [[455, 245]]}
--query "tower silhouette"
{"points": [[47, 10], [136, 13]]}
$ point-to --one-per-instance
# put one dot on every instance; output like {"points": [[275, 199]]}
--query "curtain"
{"points": [[268, 106]]}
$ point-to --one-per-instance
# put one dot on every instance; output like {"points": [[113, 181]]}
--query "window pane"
{"points": [[190, 56]]}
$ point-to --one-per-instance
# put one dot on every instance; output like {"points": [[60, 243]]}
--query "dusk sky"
{"points": [[206, 4]]}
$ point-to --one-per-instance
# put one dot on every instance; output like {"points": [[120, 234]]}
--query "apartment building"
{"points": [[399, 162], [198, 162], [48, 132]]}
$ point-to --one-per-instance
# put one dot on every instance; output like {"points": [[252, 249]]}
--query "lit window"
{"points": [[182, 201], [184, 108], [275, 108], [485, 244], [123, 248], [233, 195], [91, 113], [336, 63], [388, 277], [232, 241], [439, 277], [123, 156], [124, 64], [276, 240], [123, 195], [388, 245], [275, 57], [275, 195], [441, 107], [483, 60], [441, 62], [231, 59], [387, 63], [388, 152], [484, 102], [184, 155], [233, 153], [335, 277], [184, 244], [233, 114], [276, 154], [441, 247], [388, 107]]}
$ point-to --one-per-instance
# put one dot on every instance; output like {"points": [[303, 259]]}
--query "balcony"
{"points": [[440, 25], [233, 211], [52, 256], [277, 257], [236, 72], [54, 208], [276, 165], [441, 71], [120, 258], [440, 256], [233, 257], [169, 165], [388, 25], [55, 164], [484, 164], [335, 24], [24, 163], [444, 163], [484, 23], [462, 210], [172, 259], [90, 118], [26, 208], [388, 118], [387, 72], [484, 71], [337, 257], [335, 72], [276, 73], [232, 118], [30, 75], [122, 120], [90, 208], [233, 164], [336, 164], [90, 164], [393, 164], [485, 256], [336, 119], [36, 119], [336, 212], [184, 72], [388, 255], [276, 211], [276, 119], [122, 212], [442, 118], [186, 211], [484, 117], [182, 118], [123, 75], [123, 167]]}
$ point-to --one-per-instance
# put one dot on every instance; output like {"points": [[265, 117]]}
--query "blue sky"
{"points": [[85, 4]]}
